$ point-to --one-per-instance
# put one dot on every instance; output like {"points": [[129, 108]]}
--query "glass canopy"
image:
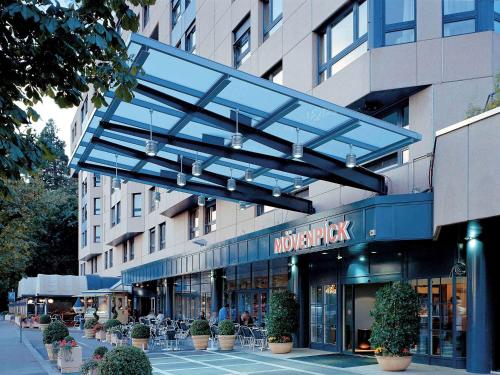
{"points": [[190, 106]]}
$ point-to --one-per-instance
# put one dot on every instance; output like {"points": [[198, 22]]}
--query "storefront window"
{"points": [[230, 277], [260, 275], [422, 288], [279, 273], [324, 314], [442, 317], [461, 315], [244, 277]]}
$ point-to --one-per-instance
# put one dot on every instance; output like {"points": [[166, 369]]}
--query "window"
{"points": [[190, 44], [82, 269], [273, 15], [275, 74], [241, 44], [342, 40], [210, 218], [97, 206], [186, 3], [131, 249], [155, 34], [110, 258], [106, 260], [73, 132], [176, 12], [118, 212], [84, 214], [163, 233], [152, 203], [94, 265], [194, 223], [496, 14], [136, 204], [397, 115], [84, 109], [115, 214], [84, 238], [152, 240], [459, 17], [125, 252], [262, 209], [97, 180], [84, 187], [97, 233], [145, 15], [399, 22]]}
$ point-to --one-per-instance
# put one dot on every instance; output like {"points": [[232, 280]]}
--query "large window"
{"points": [[343, 40], [190, 44], [241, 44], [275, 74], [192, 296], [194, 223], [97, 206], [97, 233], [97, 180], [152, 240], [273, 15], [163, 235], [210, 218], [459, 17], [399, 21], [84, 238], [176, 12], [136, 204]]}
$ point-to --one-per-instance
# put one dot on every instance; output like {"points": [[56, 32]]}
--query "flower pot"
{"points": [[393, 363], [89, 333], [140, 343], [50, 352], [226, 342], [43, 327], [280, 347], [69, 361], [200, 342]]}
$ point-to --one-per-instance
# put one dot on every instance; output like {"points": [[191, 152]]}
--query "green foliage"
{"points": [[59, 51], [100, 351], [226, 328], [89, 365], [282, 320], [493, 101], [110, 323], [125, 360], [69, 338], [395, 320], [90, 323], [200, 328], [56, 331], [45, 319], [140, 331]]}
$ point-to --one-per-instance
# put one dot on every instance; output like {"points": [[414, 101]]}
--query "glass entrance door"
{"points": [[324, 315]]}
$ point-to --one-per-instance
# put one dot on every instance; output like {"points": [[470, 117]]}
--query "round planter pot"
{"points": [[43, 327], [50, 352], [200, 342], [140, 343], [89, 333], [280, 347], [393, 363], [226, 342]]}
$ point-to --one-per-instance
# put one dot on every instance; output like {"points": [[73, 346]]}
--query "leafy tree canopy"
{"points": [[58, 51]]}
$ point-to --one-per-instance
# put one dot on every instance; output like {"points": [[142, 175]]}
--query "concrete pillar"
{"points": [[169, 298], [299, 284], [479, 343], [217, 284]]}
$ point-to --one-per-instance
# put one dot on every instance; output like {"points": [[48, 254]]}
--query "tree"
{"points": [[492, 101], [57, 51], [54, 167]]}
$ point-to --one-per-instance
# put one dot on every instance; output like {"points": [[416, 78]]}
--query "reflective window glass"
{"points": [[459, 27], [397, 11], [458, 6]]}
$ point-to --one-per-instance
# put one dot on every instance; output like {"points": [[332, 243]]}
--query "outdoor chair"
{"points": [[158, 338], [259, 339], [172, 340], [247, 337]]}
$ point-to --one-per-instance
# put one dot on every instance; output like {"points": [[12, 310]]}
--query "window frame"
{"points": [[151, 196], [175, 17], [326, 32], [110, 258], [97, 207], [131, 249], [190, 31], [97, 239], [461, 16], [270, 24], [125, 252], [162, 234], [152, 243], [136, 211], [209, 209], [191, 223], [97, 180], [399, 26], [242, 34]]}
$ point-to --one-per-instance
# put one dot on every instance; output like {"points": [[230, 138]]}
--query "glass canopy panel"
{"points": [[339, 149], [317, 117], [181, 93], [289, 133], [196, 130], [374, 135], [269, 181], [253, 146]]}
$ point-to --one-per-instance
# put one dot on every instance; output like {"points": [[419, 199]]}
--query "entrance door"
{"points": [[255, 302], [324, 316]]}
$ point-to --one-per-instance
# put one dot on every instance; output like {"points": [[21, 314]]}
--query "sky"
{"points": [[48, 109]]}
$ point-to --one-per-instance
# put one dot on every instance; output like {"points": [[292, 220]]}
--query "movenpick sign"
{"points": [[321, 235]]}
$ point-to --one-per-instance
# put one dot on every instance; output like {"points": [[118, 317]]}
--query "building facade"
{"points": [[415, 63]]}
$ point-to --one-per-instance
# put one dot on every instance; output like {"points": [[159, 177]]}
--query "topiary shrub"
{"points": [[100, 351], [111, 323], [226, 328], [56, 331], [395, 320], [90, 323], [45, 319], [140, 331], [200, 328], [282, 320], [125, 360], [69, 338]]}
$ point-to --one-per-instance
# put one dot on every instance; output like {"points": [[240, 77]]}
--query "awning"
{"points": [[191, 107]]}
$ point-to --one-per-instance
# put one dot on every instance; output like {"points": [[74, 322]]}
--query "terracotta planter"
{"points": [[281, 347], [226, 342], [70, 361], [140, 343], [201, 342], [89, 333], [393, 363], [50, 352], [43, 327]]}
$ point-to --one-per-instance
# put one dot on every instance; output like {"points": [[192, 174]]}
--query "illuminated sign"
{"points": [[322, 235]]}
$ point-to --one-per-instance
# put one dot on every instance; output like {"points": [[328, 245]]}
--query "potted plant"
{"points": [[2, 315], [89, 327], [69, 358], [44, 322], [125, 360], [55, 332], [395, 326], [200, 331], [226, 335], [140, 336], [110, 323], [90, 367], [100, 333], [282, 321]]}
